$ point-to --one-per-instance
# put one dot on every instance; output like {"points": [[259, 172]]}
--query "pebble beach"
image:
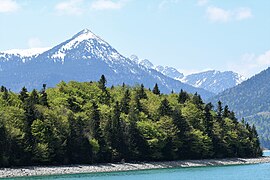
{"points": [[113, 167]]}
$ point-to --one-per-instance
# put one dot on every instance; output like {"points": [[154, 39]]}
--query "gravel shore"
{"points": [[110, 167]]}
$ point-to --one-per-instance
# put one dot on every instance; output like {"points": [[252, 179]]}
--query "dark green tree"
{"points": [[102, 83], [165, 109], [197, 100], [23, 94], [226, 112], [124, 105], [183, 97], [138, 147], [219, 111], [156, 89], [44, 96], [208, 119], [115, 136], [142, 94], [79, 150]]}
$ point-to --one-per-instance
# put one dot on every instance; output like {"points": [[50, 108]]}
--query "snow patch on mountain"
{"points": [[24, 52], [212, 80]]}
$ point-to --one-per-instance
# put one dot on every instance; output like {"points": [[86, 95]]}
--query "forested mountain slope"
{"points": [[251, 100]]}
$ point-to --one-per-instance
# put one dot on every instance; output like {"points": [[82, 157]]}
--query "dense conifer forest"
{"points": [[85, 123]]}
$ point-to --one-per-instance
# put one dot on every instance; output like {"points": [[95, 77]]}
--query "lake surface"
{"points": [[246, 172]]}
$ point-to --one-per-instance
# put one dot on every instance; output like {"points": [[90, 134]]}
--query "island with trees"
{"points": [[87, 122]]}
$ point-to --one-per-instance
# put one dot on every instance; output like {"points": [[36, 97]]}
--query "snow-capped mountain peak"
{"points": [[85, 45], [85, 34], [211, 80], [214, 81]]}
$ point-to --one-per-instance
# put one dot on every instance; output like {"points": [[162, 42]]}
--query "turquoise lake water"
{"points": [[245, 172]]}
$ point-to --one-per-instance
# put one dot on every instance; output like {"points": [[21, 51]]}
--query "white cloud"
{"points": [[108, 4], [7, 6], [216, 14], [165, 3], [243, 13], [251, 64], [202, 2], [34, 42], [71, 7]]}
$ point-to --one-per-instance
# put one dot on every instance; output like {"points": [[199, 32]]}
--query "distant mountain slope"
{"points": [[250, 97], [84, 57], [251, 100], [214, 81]]}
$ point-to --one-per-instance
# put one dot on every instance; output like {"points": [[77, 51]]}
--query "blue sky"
{"points": [[190, 35]]}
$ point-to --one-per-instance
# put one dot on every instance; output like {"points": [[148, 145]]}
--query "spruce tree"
{"points": [[105, 96], [142, 94], [102, 83], [115, 136], [183, 97], [138, 104], [44, 96], [34, 97], [5, 95], [219, 112], [226, 112], [138, 147], [208, 119], [97, 133], [165, 109], [156, 90], [23, 94], [124, 105], [197, 100], [79, 149]]}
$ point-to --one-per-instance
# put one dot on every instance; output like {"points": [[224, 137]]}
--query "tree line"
{"points": [[85, 123]]}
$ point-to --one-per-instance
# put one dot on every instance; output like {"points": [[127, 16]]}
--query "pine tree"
{"points": [[232, 117], [138, 147], [219, 112], [165, 109], [183, 97], [226, 112], [138, 104], [23, 94], [34, 97], [4, 154], [183, 135], [142, 94], [97, 133], [156, 90], [208, 119], [44, 96], [114, 134], [102, 83], [3, 89], [105, 96], [125, 102], [79, 149], [5, 95], [197, 100]]}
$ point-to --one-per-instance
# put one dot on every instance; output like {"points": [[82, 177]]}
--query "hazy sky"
{"points": [[190, 35]]}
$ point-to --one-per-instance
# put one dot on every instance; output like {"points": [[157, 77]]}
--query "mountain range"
{"points": [[84, 57], [251, 100], [211, 80]]}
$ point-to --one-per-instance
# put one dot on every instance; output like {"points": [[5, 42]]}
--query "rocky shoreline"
{"points": [[112, 167]]}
